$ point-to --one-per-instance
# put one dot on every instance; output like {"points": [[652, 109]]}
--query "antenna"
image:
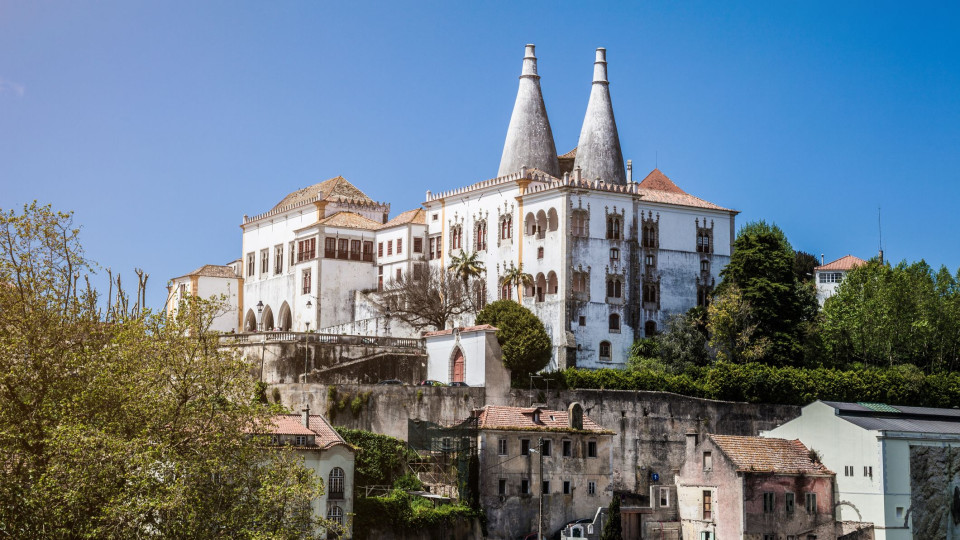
{"points": [[880, 230]]}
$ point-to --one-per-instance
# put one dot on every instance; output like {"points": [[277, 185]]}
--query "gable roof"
{"points": [[292, 424], [902, 418], [350, 220], [212, 270], [569, 155], [332, 189], [417, 216], [522, 418], [762, 454], [847, 262], [657, 187], [463, 330]]}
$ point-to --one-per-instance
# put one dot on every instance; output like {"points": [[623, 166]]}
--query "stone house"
{"points": [[530, 456], [219, 282], [754, 488], [329, 456], [829, 276], [470, 355]]}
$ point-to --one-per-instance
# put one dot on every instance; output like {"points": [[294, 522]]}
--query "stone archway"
{"points": [[284, 322], [250, 321], [266, 320], [457, 365]]}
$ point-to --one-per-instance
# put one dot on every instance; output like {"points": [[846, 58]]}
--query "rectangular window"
{"points": [[301, 440], [707, 461], [343, 248], [848, 470], [368, 251], [439, 246], [789, 503], [524, 487], [293, 254], [899, 512], [355, 250], [582, 320], [768, 503], [707, 505], [664, 497], [868, 471], [251, 265], [566, 487], [545, 487], [811, 503], [524, 447], [417, 272], [502, 487], [502, 447], [264, 261], [306, 249], [399, 274], [306, 281], [379, 249], [278, 259], [567, 448], [418, 245], [769, 536], [547, 448], [591, 488], [389, 247], [330, 248], [399, 246], [591, 448], [433, 242], [706, 535]]}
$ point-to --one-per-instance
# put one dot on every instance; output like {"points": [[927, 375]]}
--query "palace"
{"points": [[611, 259]]}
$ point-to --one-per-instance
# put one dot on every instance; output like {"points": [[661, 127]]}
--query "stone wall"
{"points": [[460, 529], [935, 492]]}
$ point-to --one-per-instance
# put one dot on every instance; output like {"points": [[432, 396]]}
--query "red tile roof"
{"points": [[292, 424], [569, 155], [522, 418], [462, 330], [847, 262], [332, 189], [657, 187], [416, 216], [762, 454], [350, 220]]}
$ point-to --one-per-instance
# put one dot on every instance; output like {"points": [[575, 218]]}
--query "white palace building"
{"points": [[612, 259]]}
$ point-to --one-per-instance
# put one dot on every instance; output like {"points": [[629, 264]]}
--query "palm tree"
{"points": [[466, 267], [516, 277]]}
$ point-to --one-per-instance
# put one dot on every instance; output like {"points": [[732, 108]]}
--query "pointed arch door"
{"points": [[458, 362]]}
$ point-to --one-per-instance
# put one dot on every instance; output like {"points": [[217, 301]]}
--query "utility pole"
{"points": [[540, 511]]}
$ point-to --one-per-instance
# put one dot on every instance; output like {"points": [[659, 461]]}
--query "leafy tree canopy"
{"points": [[525, 343], [121, 423]]}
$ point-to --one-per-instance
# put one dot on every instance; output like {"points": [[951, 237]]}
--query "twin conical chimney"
{"points": [[529, 137], [598, 152]]}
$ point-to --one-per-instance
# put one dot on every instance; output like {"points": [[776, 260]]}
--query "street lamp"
{"points": [[309, 306], [260, 316]]}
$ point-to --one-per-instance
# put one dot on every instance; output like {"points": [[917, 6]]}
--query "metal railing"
{"points": [[332, 339]]}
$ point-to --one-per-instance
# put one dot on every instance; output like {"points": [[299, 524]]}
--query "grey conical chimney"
{"points": [[529, 138], [598, 152]]}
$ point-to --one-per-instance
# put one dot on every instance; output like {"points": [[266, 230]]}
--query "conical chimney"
{"points": [[598, 152], [529, 138]]}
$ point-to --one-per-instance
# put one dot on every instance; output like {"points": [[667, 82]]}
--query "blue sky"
{"points": [[162, 123]]}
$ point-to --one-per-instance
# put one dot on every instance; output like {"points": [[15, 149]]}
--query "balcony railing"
{"points": [[309, 337]]}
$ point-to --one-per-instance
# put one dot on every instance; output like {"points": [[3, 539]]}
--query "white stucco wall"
{"points": [[440, 349]]}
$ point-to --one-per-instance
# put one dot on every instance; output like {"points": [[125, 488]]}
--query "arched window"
{"points": [[614, 228], [250, 322], [541, 287], [506, 291], [530, 224], [650, 329], [649, 236], [579, 282], [335, 514], [614, 288], [578, 223], [605, 351], [552, 284], [457, 366], [480, 236], [335, 486], [614, 323], [541, 224], [552, 221]]}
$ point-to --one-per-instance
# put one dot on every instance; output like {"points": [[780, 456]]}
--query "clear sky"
{"points": [[162, 123]]}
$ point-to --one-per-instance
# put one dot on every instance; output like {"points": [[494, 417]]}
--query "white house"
{"points": [[828, 276], [470, 355], [868, 445], [220, 283], [329, 456]]}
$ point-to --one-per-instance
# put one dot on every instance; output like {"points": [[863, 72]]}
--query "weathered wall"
{"points": [[934, 478], [461, 529]]}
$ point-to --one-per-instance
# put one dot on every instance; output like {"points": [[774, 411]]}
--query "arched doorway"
{"points": [[285, 318], [457, 366], [250, 322], [266, 320]]}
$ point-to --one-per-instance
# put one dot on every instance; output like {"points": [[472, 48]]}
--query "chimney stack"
{"points": [[598, 151], [305, 417], [629, 171], [692, 437], [529, 137], [821, 259]]}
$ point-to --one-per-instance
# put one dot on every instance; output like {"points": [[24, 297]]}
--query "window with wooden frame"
{"points": [[343, 248], [330, 248], [306, 249], [264, 261], [306, 282], [278, 259], [355, 250], [418, 245]]}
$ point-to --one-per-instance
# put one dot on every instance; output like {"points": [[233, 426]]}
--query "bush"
{"points": [[380, 458], [525, 343], [402, 512]]}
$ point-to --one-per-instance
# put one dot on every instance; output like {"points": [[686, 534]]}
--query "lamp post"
{"points": [[260, 316], [306, 357], [263, 338], [309, 307], [539, 452]]}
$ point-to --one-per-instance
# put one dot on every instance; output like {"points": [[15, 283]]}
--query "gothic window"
{"points": [[506, 291], [651, 293], [703, 295], [604, 351], [580, 282], [614, 288], [481, 291], [649, 236], [650, 230], [614, 227], [614, 323], [456, 237], [264, 261], [278, 259], [649, 260], [306, 281], [704, 236], [251, 265], [480, 236], [506, 227], [578, 223]]}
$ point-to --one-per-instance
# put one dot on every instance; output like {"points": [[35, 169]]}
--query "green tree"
{"points": [[762, 268], [470, 269], [803, 265], [525, 343], [612, 529], [121, 423], [733, 332], [684, 343], [518, 279]]}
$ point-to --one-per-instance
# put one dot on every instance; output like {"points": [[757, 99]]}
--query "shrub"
{"points": [[525, 343]]}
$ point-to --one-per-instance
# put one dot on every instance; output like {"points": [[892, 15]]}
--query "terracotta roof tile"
{"points": [[214, 270], [350, 220], [657, 187], [522, 418], [847, 262], [569, 155], [658, 181], [288, 424], [762, 454], [417, 216], [292, 424], [332, 189], [462, 330]]}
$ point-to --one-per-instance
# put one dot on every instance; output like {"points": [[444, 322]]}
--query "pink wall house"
{"points": [[754, 488]]}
